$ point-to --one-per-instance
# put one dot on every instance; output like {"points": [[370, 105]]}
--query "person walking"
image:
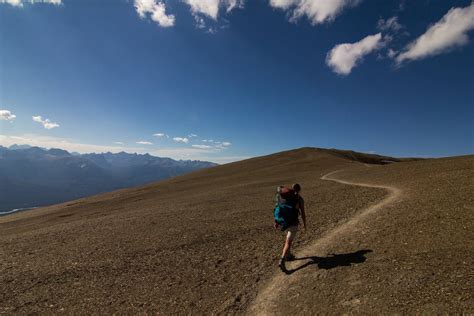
{"points": [[296, 202]]}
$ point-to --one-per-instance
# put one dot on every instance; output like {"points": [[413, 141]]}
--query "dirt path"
{"points": [[266, 301]]}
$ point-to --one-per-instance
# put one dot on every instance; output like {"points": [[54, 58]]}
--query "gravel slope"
{"points": [[203, 243]]}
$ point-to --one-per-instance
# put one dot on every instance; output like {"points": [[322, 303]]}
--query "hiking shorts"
{"points": [[291, 232]]}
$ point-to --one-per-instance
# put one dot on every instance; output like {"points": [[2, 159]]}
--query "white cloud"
{"points": [[118, 143], [226, 144], [45, 122], [181, 139], [6, 115], [202, 146], [390, 24], [192, 135], [207, 7], [156, 9], [447, 33], [210, 8], [19, 3], [161, 135], [344, 57], [283, 4], [142, 142], [317, 11]]}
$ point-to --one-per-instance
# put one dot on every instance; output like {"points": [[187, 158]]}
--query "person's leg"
{"points": [[287, 247], [290, 237]]}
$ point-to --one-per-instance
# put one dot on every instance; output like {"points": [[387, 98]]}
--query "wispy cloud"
{"points": [[389, 25], [344, 57], [192, 135], [444, 35], [392, 31], [142, 142], [202, 146], [317, 11], [45, 122], [184, 140], [217, 144], [118, 143], [6, 115], [213, 145], [20, 3], [160, 135], [156, 9]]}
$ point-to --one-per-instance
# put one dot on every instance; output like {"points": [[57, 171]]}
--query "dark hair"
{"points": [[296, 187]]}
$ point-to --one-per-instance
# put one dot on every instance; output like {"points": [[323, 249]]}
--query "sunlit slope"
{"points": [[198, 243], [422, 247]]}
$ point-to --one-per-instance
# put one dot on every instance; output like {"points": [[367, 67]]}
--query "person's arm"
{"points": [[303, 214]]}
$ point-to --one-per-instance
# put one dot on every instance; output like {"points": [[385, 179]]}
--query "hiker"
{"points": [[289, 205]]}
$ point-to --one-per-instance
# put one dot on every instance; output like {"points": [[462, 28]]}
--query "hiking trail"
{"points": [[267, 299]]}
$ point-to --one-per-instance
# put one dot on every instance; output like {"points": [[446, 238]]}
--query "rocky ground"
{"points": [[204, 242]]}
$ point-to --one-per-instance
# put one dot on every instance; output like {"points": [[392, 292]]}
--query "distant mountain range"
{"points": [[33, 176]]}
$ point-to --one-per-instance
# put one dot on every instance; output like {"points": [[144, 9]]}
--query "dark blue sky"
{"points": [[259, 80]]}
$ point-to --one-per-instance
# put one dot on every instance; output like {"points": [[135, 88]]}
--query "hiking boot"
{"points": [[281, 264], [290, 257]]}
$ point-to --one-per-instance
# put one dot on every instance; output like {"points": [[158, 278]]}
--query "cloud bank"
{"points": [[344, 57], [444, 35], [45, 122]]}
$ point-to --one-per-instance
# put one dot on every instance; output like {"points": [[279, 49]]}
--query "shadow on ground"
{"points": [[333, 260]]}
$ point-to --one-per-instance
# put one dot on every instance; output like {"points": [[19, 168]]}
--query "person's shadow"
{"points": [[333, 260]]}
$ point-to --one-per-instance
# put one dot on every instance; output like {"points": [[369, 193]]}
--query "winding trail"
{"points": [[266, 302]]}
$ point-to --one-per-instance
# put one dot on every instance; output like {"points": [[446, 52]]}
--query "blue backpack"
{"points": [[286, 212]]}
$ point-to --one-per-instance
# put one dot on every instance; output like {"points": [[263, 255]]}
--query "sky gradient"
{"points": [[223, 80]]}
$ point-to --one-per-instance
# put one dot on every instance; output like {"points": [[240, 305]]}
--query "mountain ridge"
{"points": [[34, 176]]}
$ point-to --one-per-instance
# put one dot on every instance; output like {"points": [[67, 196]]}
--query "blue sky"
{"points": [[247, 78]]}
